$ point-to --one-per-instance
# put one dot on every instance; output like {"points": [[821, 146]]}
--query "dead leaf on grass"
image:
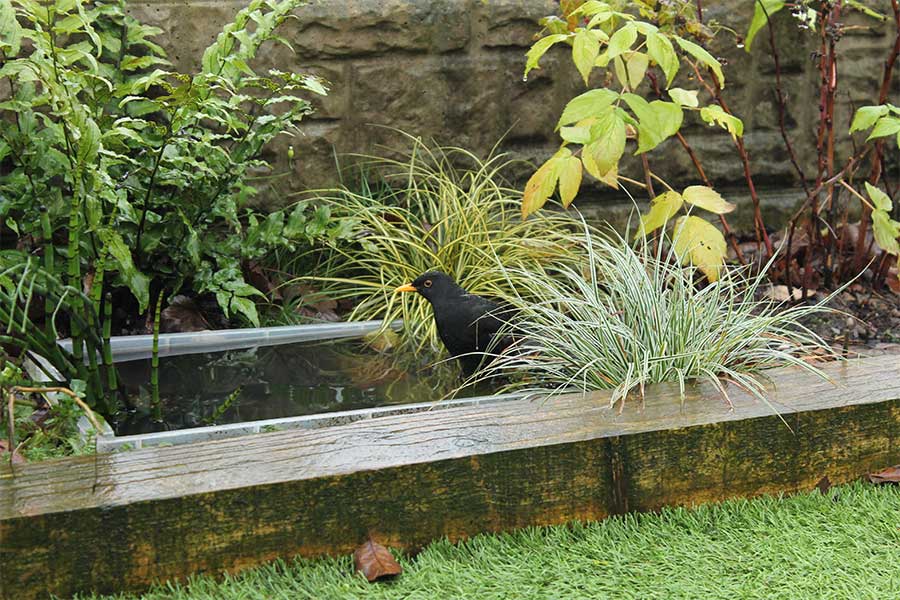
{"points": [[889, 475], [824, 485], [374, 561]]}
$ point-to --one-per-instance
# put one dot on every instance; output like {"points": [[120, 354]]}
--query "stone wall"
{"points": [[452, 70]]}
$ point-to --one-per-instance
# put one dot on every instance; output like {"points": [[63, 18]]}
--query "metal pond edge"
{"points": [[173, 344], [115, 443]]}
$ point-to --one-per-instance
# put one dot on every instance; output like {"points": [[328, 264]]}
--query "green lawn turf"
{"points": [[845, 544]]}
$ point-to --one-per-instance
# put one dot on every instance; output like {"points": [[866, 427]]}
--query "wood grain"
{"points": [[117, 522]]}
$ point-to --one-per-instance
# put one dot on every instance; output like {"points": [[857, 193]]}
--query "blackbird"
{"points": [[467, 323]]}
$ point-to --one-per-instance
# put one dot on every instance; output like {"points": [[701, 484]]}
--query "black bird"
{"points": [[467, 323]]}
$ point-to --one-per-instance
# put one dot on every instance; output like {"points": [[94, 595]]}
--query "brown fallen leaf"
{"points": [[181, 315], [374, 561], [889, 475], [824, 485]]}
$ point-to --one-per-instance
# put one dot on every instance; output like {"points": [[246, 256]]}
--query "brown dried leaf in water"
{"points": [[374, 561], [382, 341], [889, 475], [182, 314], [312, 303]]}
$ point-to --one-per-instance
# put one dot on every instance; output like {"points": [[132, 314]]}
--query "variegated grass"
{"points": [[449, 210], [636, 317]]}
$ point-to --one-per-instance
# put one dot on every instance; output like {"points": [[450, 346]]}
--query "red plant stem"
{"points": [[715, 90], [875, 174], [700, 10], [782, 110], [729, 233], [647, 179], [831, 92]]}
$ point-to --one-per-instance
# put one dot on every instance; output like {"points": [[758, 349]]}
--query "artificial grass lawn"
{"points": [[844, 544]]}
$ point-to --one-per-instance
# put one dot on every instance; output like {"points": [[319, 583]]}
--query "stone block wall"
{"points": [[452, 70]]}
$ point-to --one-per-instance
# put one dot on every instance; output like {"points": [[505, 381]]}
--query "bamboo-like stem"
{"points": [[47, 234], [112, 382], [154, 362], [74, 280]]}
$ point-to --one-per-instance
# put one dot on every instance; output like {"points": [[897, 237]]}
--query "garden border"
{"points": [[408, 479]]}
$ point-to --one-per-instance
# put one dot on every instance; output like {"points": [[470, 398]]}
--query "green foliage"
{"points": [[55, 436], [619, 36], [148, 168], [446, 209], [883, 120], [649, 323], [22, 282]]}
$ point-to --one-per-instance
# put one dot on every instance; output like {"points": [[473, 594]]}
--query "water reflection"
{"points": [[279, 381]]}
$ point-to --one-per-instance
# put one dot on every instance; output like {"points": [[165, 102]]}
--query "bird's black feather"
{"points": [[467, 324]]}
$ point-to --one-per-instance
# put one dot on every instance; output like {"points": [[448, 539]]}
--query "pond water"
{"points": [[274, 382]]}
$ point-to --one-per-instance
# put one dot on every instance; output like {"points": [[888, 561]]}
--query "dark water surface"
{"points": [[277, 381]]}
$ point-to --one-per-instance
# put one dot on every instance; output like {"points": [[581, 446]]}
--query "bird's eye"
{"points": [[427, 283]]}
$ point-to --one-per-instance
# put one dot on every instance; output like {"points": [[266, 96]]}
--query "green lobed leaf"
{"points": [[608, 145], [879, 199], [886, 232], [586, 105], [657, 120], [636, 67], [761, 9], [713, 114], [660, 49], [137, 282], [585, 49], [622, 40], [684, 97], [704, 57], [866, 116], [539, 48], [885, 126]]}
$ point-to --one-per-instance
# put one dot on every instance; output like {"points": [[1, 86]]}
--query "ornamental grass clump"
{"points": [[443, 209], [635, 317]]}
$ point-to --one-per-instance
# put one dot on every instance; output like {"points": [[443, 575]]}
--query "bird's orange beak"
{"points": [[406, 288]]}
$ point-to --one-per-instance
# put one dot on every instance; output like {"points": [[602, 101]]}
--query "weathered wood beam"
{"points": [[117, 522]]}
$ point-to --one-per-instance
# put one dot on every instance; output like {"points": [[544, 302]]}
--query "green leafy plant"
{"points": [[636, 317], [834, 249], [445, 209], [144, 171], [599, 122]]}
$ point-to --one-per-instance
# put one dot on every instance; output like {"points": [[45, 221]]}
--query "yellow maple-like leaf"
{"points": [[886, 231], [662, 208], [541, 185], [569, 179], [610, 178], [708, 199], [698, 242]]}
